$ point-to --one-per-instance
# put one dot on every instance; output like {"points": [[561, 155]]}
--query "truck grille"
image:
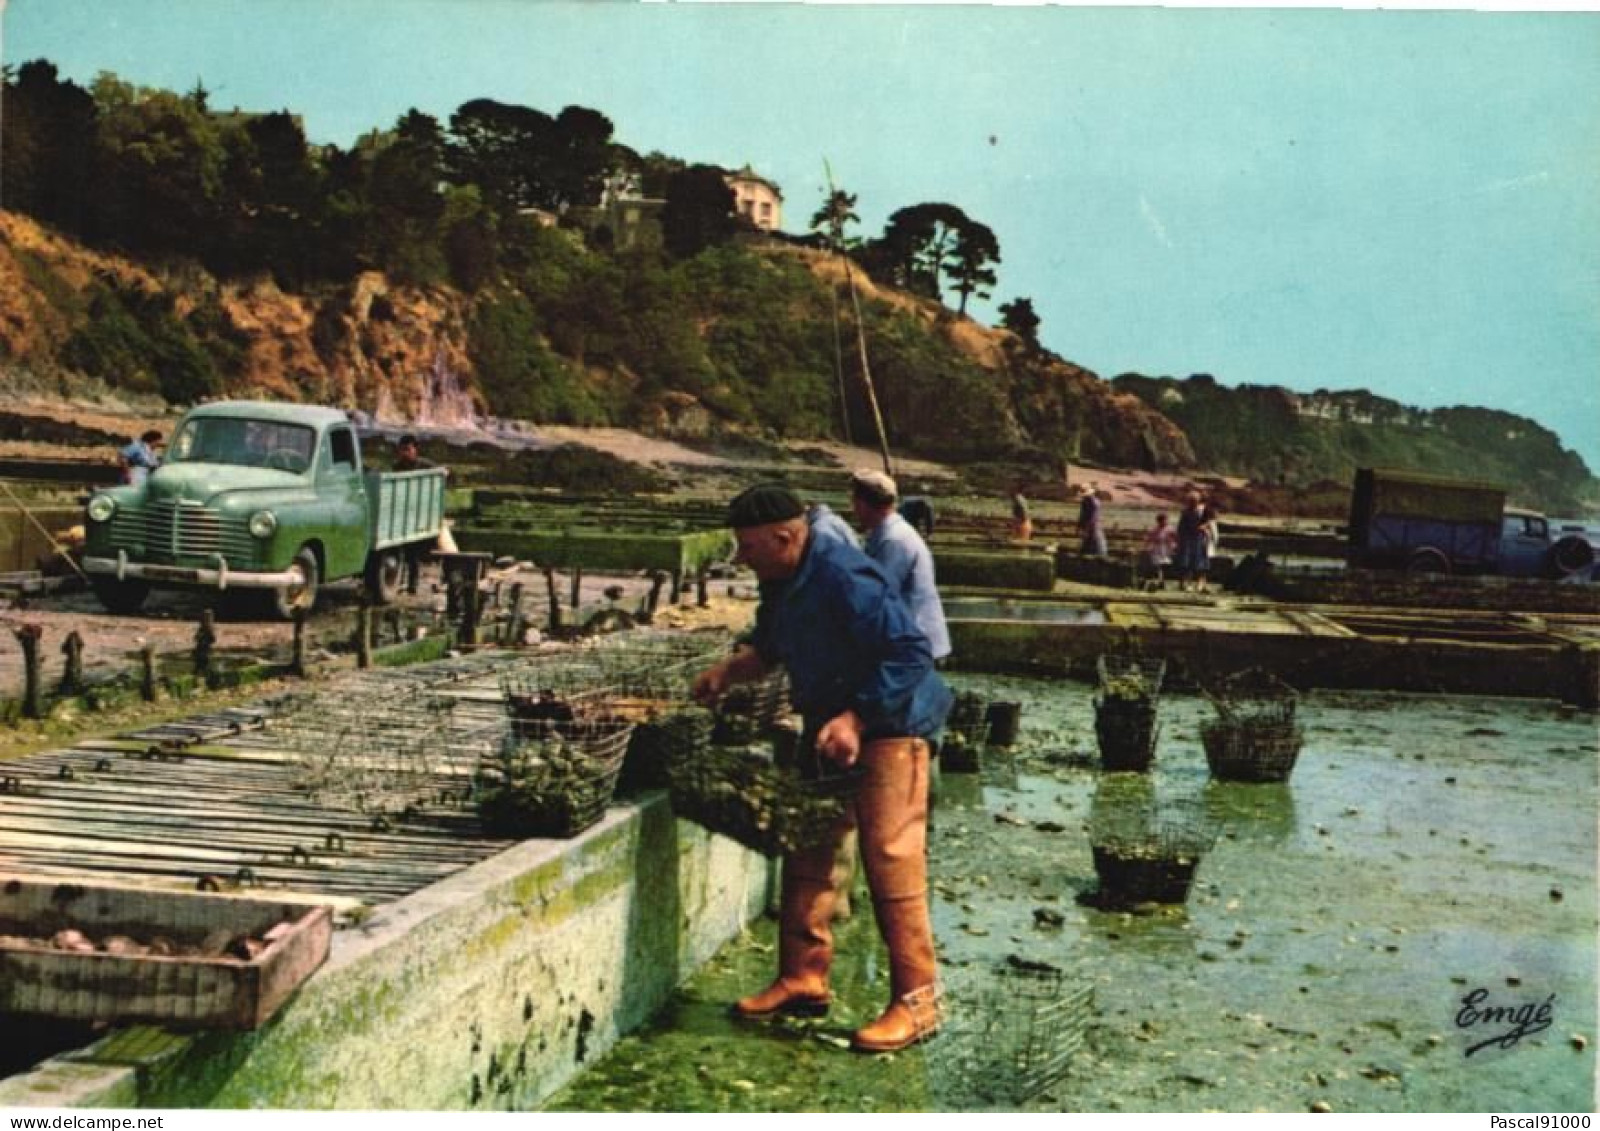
{"points": [[175, 533]]}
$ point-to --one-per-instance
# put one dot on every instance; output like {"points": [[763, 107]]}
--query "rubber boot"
{"points": [[805, 939], [892, 811]]}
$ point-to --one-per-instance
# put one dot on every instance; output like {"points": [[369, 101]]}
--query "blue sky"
{"points": [[1403, 201]]}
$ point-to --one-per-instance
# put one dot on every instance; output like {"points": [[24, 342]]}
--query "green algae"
{"points": [[1423, 849]]}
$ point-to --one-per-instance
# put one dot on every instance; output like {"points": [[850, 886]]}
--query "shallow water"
{"points": [[1424, 848]]}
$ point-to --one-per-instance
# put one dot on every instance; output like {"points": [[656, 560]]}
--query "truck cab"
{"points": [[258, 497]]}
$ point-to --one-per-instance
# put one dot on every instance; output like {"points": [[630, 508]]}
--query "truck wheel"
{"points": [[1427, 561], [1570, 555], [385, 570], [285, 602], [121, 597]]}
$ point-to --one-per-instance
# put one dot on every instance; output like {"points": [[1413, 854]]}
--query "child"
{"points": [[1159, 545]]}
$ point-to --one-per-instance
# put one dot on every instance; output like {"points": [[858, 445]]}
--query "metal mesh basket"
{"points": [[1253, 697], [551, 778], [997, 1038], [1253, 751], [658, 744], [378, 748], [658, 666], [1254, 737], [1126, 732], [554, 690], [749, 711], [1145, 852], [1134, 678], [966, 732], [744, 795]]}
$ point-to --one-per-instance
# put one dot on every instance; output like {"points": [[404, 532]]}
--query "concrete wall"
{"points": [[487, 991]]}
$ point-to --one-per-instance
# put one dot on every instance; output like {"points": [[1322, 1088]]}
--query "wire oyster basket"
{"points": [[551, 777], [377, 749], [1254, 736], [741, 793], [749, 712], [555, 689], [658, 666], [966, 731], [1145, 851], [1125, 706], [660, 743], [992, 1039]]}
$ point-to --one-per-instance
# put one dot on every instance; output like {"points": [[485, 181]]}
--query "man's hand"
{"points": [[840, 739], [711, 684]]}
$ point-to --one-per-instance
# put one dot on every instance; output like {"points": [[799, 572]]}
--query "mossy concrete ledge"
{"points": [[486, 991]]}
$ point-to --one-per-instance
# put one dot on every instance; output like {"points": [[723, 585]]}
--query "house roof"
{"points": [[749, 174]]}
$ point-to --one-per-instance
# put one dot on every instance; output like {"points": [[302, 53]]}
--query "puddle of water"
{"points": [[1424, 849]]}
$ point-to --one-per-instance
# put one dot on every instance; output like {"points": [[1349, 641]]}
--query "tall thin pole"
{"points": [[838, 365], [861, 346]]}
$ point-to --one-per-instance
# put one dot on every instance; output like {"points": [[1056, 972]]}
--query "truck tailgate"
{"points": [[406, 506]]}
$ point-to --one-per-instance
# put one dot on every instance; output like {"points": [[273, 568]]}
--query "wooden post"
{"points": [[205, 636], [147, 673], [297, 662], [701, 580], [676, 593], [658, 578], [28, 636], [577, 587], [555, 599], [72, 674], [452, 594], [514, 626], [364, 635], [470, 598]]}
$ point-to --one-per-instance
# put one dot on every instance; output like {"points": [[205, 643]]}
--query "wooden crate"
{"points": [[183, 990]]}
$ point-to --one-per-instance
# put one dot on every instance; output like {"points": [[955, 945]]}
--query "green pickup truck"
{"points": [[262, 499]]}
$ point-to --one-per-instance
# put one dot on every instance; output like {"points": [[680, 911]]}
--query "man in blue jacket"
{"points": [[861, 674]]}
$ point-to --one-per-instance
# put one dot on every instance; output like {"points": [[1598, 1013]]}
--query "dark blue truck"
{"points": [[1432, 524]]}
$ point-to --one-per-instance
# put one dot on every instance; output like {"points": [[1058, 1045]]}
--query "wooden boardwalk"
{"points": [[219, 801]]}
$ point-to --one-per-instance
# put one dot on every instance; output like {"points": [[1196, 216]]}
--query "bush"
{"points": [[517, 371], [133, 339]]}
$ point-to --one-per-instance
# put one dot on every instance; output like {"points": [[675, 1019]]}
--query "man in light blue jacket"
{"points": [[901, 553]]}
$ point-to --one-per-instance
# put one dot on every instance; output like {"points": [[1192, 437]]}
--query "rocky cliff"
{"points": [[408, 355]]}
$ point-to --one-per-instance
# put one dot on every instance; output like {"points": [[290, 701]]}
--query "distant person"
{"points": [[1159, 545], [1194, 557], [141, 457], [1021, 521], [1091, 535], [408, 457], [901, 553]]}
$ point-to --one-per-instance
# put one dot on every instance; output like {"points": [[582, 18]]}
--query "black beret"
{"points": [[764, 503]]}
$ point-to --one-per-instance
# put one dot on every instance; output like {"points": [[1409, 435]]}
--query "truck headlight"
{"points": [[263, 523], [101, 508]]}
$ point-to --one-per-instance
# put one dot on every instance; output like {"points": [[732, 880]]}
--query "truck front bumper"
{"points": [[219, 576]]}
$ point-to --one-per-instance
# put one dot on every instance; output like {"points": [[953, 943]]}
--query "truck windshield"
{"points": [[247, 443]]}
